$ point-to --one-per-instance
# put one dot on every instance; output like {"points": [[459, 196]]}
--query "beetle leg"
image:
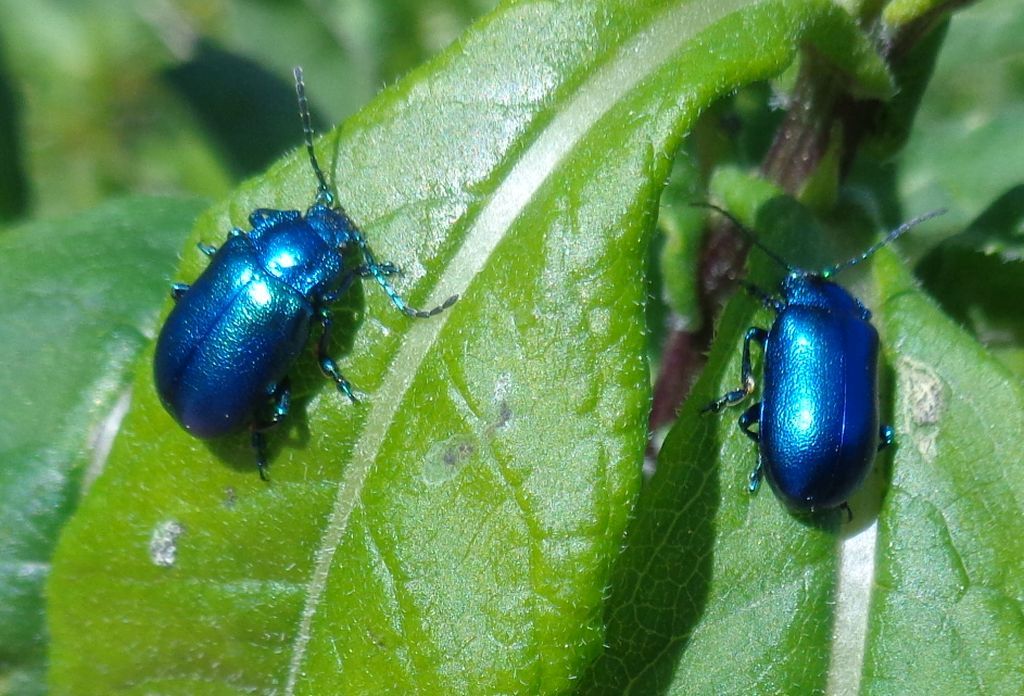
{"points": [[346, 283], [751, 416], [282, 396], [747, 374], [282, 400], [849, 511], [327, 365], [207, 249], [380, 271], [754, 481], [259, 444], [178, 290], [886, 436]]}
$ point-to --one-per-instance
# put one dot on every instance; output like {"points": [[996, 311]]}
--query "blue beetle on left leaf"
{"points": [[223, 356]]}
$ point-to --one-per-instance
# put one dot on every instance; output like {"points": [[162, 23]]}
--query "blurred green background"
{"points": [[100, 99]]}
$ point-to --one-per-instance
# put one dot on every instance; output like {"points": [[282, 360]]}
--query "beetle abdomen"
{"points": [[230, 339], [819, 416]]}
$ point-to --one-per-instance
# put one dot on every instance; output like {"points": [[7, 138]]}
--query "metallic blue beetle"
{"points": [[818, 420], [224, 353]]}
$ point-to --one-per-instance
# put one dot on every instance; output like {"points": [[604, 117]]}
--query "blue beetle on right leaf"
{"points": [[818, 428]]}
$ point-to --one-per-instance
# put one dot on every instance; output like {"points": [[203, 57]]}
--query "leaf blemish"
{"points": [[446, 458], [163, 544], [456, 454], [376, 639], [923, 402], [502, 388], [504, 414]]}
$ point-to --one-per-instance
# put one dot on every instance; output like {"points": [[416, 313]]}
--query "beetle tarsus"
{"points": [[426, 314], [259, 443], [849, 511], [754, 480], [886, 436]]}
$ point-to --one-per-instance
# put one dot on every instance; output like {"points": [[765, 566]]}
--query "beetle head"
{"points": [[331, 224]]}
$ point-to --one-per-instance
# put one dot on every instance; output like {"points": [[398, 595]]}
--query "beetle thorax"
{"points": [[300, 258]]}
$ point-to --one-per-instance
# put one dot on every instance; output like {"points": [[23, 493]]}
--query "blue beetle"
{"points": [[224, 353], [818, 419]]}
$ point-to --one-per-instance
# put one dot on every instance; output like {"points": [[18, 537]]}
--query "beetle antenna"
{"points": [[323, 193], [747, 232], [898, 232]]}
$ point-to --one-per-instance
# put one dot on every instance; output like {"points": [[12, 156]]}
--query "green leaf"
{"points": [[895, 121], [946, 613], [224, 90], [715, 587], [100, 119], [368, 42], [719, 591], [81, 298], [454, 532]]}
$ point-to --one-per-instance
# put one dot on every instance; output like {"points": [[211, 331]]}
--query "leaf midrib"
{"points": [[651, 47]]}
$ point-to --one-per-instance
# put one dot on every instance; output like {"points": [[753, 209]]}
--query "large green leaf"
{"points": [[454, 532], [96, 117], [81, 299]]}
